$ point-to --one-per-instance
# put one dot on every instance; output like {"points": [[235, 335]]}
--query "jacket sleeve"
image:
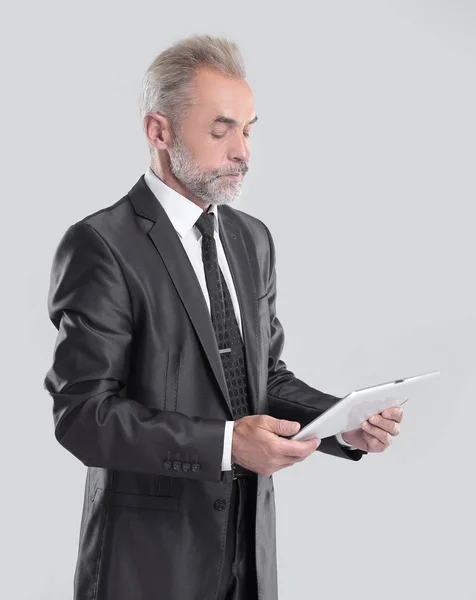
{"points": [[90, 306], [288, 397]]}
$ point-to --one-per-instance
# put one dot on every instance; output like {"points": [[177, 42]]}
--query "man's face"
{"points": [[210, 156]]}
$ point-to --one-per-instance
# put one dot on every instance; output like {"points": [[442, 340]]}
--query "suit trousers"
{"points": [[239, 578]]}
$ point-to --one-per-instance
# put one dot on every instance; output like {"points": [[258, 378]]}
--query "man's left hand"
{"points": [[377, 433]]}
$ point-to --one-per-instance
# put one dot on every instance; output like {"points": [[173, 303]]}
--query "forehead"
{"points": [[218, 94]]}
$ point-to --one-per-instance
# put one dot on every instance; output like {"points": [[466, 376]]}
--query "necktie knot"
{"points": [[205, 224]]}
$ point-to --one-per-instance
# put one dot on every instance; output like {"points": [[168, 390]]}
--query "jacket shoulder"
{"points": [[111, 214], [112, 223]]}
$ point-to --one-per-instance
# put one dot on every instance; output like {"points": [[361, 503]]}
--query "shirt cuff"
{"points": [[342, 442], [228, 438]]}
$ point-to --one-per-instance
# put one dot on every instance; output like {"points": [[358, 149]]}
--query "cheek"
{"points": [[211, 156], [206, 151], [213, 150]]}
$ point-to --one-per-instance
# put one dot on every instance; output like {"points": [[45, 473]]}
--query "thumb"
{"points": [[283, 427]]}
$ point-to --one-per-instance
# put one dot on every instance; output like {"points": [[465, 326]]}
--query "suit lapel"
{"points": [[169, 246]]}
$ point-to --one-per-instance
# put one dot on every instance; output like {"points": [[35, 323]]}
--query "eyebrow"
{"points": [[228, 121]]}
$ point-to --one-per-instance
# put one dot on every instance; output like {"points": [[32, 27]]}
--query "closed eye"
{"points": [[218, 136]]}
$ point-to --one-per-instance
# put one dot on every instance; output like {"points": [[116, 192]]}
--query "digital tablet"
{"points": [[349, 412]]}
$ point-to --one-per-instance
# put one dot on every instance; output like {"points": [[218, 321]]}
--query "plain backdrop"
{"points": [[363, 167]]}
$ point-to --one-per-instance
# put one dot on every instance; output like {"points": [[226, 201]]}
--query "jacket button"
{"points": [[196, 467], [220, 504], [167, 464], [186, 466], [177, 465]]}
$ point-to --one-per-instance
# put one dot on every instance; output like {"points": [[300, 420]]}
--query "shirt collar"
{"points": [[181, 211]]}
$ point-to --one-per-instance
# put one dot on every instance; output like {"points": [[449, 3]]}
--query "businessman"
{"points": [[167, 381]]}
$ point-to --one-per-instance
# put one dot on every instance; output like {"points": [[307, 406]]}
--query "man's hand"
{"points": [[374, 436], [257, 444]]}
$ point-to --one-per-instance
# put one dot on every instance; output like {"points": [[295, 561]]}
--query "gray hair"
{"points": [[166, 86]]}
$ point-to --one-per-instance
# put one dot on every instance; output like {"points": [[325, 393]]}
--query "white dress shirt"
{"points": [[183, 214]]}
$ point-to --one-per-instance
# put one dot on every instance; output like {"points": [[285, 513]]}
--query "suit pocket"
{"points": [[150, 502]]}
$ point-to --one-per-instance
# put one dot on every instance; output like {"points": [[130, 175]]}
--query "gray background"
{"points": [[363, 168]]}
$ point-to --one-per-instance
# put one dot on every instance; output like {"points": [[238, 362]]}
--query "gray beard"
{"points": [[207, 186]]}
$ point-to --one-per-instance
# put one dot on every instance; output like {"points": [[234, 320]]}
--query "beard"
{"points": [[209, 186]]}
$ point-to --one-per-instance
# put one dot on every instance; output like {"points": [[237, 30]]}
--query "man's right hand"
{"points": [[257, 444]]}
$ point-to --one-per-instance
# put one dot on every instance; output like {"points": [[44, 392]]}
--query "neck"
{"points": [[171, 181]]}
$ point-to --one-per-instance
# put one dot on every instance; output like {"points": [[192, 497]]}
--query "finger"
{"points": [[287, 464], [295, 459], [380, 434], [395, 414], [385, 424], [373, 444], [298, 449]]}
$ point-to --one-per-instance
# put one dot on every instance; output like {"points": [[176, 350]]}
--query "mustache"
{"points": [[241, 171]]}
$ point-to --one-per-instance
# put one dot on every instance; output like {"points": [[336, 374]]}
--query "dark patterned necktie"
{"points": [[227, 333]]}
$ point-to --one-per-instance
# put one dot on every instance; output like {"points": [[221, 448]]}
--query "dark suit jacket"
{"points": [[139, 396]]}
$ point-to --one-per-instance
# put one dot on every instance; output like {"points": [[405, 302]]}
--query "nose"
{"points": [[240, 151]]}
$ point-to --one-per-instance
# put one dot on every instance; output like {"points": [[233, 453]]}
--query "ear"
{"points": [[157, 130]]}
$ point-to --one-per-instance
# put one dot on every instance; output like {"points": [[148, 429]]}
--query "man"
{"points": [[167, 380]]}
